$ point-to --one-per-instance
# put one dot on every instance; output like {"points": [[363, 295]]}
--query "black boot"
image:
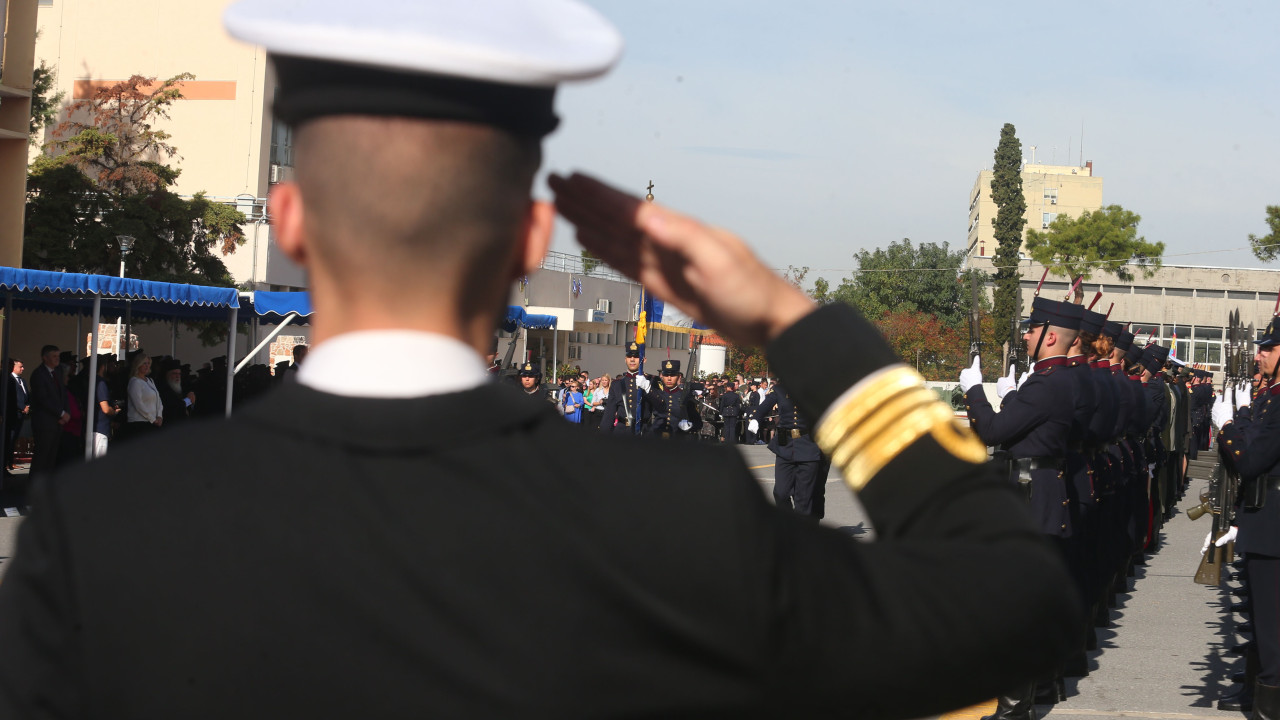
{"points": [[1016, 705], [1239, 700], [1266, 702]]}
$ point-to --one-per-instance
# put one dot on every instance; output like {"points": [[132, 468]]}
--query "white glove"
{"points": [[1227, 537], [642, 382], [971, 375], [1244, 395], [1221, 413], [753, 427], [1006, 384], [1023, 378], [1208, 538], [698, 393], [684, 425]]}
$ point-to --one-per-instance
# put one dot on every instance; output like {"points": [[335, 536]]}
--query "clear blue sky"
{"points": [[816, 129]]}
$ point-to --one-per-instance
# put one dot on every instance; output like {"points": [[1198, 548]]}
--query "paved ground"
{"points": [[1163, 657]]}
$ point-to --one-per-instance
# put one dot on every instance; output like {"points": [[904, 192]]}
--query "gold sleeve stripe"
{"points": [[884, 415]]}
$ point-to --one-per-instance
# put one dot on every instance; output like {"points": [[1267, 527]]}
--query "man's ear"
{"points": [[539, 222], [286, 207]]}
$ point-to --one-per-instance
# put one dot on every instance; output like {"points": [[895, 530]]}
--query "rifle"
{"points": [[1224, 485], [1015, 341], [975, 323]]}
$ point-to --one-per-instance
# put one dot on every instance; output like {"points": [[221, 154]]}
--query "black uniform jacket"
{"points": [[787, 448], [730, 405], [1034, 421], [621, 403], [453, 557], [1253, 445], [668, 407]]}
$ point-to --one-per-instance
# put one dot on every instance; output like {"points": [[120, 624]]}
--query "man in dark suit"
{"points": [[432, 544], [49, 413], [15, 412], [731, 410], [177, 400]]}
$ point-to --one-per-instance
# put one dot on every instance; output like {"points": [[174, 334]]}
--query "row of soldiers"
{"points": [[1248, 446], [1097, 434]]}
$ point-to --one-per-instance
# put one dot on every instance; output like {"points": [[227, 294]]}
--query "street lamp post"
{"points": [[126, 247]]}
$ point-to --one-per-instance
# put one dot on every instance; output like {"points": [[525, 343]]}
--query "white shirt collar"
{"points": [[354, 365]]}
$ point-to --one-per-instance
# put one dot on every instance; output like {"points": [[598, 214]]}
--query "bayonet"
{"points": [[1074, 286], [1041, 283]]}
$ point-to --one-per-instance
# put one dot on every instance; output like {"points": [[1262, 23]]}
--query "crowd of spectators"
{"points": [[580, 398], [138, 396]]}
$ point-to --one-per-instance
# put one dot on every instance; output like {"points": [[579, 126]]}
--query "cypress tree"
{"points": [[1011, 208]]}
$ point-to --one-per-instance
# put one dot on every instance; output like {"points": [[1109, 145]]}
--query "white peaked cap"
{"points": [[520, 42]]}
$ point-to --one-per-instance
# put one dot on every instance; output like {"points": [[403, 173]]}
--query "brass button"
{"points": [[1237, 452], [1064, 503], [1059, 475], [1064, 526]]}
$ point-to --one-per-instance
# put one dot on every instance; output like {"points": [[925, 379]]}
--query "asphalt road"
{"points": [[1163, 657]]}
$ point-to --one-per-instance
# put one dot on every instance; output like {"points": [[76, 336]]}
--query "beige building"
{"points": [[17, 54], [1187, 300], [228, 146], [1050, 190]]}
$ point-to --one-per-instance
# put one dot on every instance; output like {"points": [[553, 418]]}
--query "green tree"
{"points": [[1011, 209], [821, 292], [1105, 240], [589, 262], [44, 107], [906, 277], [108, 174], [1267, 247]]}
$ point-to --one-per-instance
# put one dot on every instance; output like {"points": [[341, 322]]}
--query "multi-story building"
{"points": [[228, 145], [17, 46], [597, 310], [1050, 191]]}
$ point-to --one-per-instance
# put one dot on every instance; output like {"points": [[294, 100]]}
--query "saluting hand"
{"points": [[707, 272]]}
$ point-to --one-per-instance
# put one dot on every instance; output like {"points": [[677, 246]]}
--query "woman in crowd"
{"points": [[146, 412], [573, 402]]}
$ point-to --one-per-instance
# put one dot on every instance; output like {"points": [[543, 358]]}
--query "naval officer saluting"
{"points": [[385, 559]]}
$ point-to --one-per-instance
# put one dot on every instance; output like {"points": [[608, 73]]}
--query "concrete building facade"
{"points": [[17, 54], [1050, 191], [229, 147], [597, 310]]}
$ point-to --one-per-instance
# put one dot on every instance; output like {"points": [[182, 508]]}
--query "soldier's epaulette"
{"points": [[1049, 369]]}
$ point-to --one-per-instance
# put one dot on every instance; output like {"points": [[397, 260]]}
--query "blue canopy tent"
{"points": [[273, 308], [75, 293]]}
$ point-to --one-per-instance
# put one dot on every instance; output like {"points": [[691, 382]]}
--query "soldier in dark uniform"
{"points": [[1152, 361], [1032, 432], [619, 412], [531, 382], [752, 415], [800, 471], [673, 407], [1251, 442], [730, 407]]}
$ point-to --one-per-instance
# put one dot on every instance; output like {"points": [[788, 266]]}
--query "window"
{"points": [[1177, 292], [1046, 218], [1051, 195], [1237, 295], [281, 143]]}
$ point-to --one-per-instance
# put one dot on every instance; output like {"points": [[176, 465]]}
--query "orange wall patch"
{"points": [[191, 89]]}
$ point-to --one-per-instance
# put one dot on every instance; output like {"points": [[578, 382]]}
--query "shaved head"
{"points": [[403, 200]]}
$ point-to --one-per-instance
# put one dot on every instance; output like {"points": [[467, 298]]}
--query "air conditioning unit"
{"points": [[275, 173], [1044, 226], [604, 305], [1053, 201]]}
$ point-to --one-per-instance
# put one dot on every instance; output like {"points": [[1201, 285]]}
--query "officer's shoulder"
{"points": [[1046, 372]]}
